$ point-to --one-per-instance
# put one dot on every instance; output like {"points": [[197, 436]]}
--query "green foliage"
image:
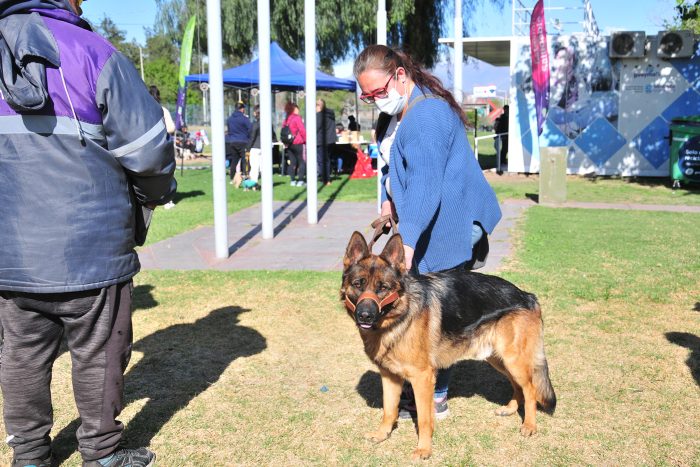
{"points": [[342, 28], [110, 31], [162, 73], [687, 15]]}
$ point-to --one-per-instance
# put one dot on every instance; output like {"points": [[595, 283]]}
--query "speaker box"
{"points": [[627, 44], [675, 44]]}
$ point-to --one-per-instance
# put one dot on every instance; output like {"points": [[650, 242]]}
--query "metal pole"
{"points": [[310, 55], [141, 58], [216, 85], [459, 53], [266, 107], [381, 39]]}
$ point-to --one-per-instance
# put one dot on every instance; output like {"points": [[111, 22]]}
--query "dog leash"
{"points": [[380, 228]]}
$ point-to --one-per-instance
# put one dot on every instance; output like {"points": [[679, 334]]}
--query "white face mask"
{"points": [[393, 103]]}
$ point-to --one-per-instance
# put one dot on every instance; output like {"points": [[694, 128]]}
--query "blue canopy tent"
{"points": [[287, 75]]}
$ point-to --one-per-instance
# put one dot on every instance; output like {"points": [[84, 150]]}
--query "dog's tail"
{"points": [[540, 378]]}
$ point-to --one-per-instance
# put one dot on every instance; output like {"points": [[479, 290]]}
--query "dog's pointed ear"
{"points": [[356, 250], [393, 253]]}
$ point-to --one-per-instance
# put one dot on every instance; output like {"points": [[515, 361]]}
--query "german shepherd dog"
{"points": [[411, 325]]}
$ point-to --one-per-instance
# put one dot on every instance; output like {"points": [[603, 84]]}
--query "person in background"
{"points": [[502, 127], [295, 150], [432, 183], [352, 124], [74, 107], [167, 118], [325, 139], [254, 146], [238, 126], [338, 153]]}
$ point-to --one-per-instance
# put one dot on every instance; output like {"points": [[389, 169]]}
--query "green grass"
{"points": [[195, 204], [583, 255], [227, 367], [600, 189]]}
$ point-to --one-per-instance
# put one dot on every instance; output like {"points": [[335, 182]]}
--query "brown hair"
{"points": [[381, 57], [153, 91], [289, 108]]}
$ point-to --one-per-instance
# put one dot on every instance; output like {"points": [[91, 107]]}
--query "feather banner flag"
{"points": [[185, 61], [540, 63]]}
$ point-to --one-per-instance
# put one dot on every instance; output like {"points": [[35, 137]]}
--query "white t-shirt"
{"points": [[385, 147]]}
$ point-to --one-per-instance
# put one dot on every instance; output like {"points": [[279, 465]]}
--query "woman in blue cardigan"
{"points": [[433, 182]]}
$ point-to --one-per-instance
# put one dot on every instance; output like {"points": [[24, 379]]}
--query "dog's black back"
{"points": [[470, 299]]}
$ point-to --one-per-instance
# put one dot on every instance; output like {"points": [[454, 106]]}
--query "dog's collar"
{"points": [[389, 299]]}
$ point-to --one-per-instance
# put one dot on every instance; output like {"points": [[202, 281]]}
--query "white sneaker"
{"points": [[169, 205], [293, 183], [301, 183]]}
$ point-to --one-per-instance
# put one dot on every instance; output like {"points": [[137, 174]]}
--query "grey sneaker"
{"points": [[140, 457], [407, 411], [32, 462]]}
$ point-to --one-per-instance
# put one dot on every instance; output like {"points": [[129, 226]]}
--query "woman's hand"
{"points": [[388, 208], [408, 257]]}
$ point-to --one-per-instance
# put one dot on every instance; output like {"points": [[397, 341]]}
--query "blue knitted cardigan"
{"points": [[437, 186]]}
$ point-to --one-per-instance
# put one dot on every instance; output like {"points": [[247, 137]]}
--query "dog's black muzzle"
{"points": [[366, 313], [369, 308]]}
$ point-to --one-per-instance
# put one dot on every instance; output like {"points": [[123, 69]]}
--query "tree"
{"points": [[342, 27], [110, 31], [687, 15]]}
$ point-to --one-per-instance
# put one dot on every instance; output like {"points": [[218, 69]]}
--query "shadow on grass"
{"points": [[696, 307], [252, 233], [179, 363], [533, 196], [332, 197], [469, 378], [180, 195], [692, 343]]}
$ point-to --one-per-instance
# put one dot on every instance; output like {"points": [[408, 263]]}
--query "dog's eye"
{"points": [[359, 283], [383, 287]]}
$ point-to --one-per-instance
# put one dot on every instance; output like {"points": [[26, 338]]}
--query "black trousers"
{"points": [[297, 165], [504, 149], [97, 325], [236, 152], [323, 153]]}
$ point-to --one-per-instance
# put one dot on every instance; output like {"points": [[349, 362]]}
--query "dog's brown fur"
{"points": [[427, 328]]}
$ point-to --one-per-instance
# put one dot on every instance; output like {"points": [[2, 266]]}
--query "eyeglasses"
{"points": [[380, 93]]}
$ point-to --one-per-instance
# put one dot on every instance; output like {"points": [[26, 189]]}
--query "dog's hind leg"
{"points": [[521, 372], [424, 388], [391, 393], [517, 399]]}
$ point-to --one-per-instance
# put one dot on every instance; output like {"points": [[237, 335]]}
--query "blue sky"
{"points": [[633, 15], [646, 15]]}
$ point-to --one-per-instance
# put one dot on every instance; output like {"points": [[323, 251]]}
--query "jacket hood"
{"points": [[8, 7], [27, 47]]}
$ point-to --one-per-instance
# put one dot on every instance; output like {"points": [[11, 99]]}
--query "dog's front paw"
{"points": [[421, 453], [528, 430], [377, 436]]}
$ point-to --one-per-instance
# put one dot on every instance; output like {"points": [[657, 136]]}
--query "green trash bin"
{"points": [[685, 150]]}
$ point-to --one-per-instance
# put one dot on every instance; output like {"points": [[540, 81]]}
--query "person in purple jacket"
{"points": [[84, 157], [433, 183]]}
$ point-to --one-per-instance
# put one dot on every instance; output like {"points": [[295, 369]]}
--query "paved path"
{"points": [[298, 245]]}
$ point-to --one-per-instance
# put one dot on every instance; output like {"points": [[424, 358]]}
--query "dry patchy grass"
{"points": [[257, 368]]}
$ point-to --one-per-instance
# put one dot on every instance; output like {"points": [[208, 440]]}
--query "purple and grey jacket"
{"points": [[82, 146]]}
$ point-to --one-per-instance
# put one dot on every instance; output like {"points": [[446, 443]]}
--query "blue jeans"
{"points": [[442, 379]]}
